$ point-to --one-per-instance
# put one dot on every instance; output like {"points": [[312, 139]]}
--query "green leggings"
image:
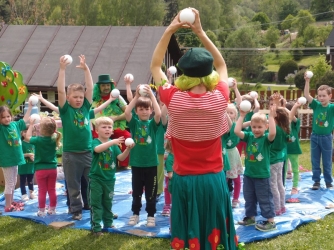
{"points": [[294, 160]]}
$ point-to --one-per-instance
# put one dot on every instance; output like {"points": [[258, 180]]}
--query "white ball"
{"points": [[187, 15], [253, 94], [69, 59], [142, 91], [33, 100], [115, 93], [172, 70], [36, 117], [309, 74], [129, 76], [245, 105], [129, 142], [302, 100], [230, 81]]}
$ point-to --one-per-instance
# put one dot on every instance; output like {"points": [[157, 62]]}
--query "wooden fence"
{"points": [[305, 114]]}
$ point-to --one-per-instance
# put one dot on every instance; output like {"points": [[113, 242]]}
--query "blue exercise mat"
{"points": [[311, 208]]}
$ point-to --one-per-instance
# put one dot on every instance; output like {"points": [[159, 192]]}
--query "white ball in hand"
{"points": [[36, 117], [129, 142], [302, 100], [33, 100], [115, 93], [309, 74], [230, 81], [172, 70], [129, 77], [245, 105], [253, 94], [187, 15], [142, 90], [69, 59]]}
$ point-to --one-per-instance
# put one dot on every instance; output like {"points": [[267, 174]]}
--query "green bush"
{"points": [[286, 68], [327, 79], [266, 76], [299, 79], [297, 54]]}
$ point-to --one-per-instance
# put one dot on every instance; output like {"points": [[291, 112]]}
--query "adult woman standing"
{"points": [[201, 215]]}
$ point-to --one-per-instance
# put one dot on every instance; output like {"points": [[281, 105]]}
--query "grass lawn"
{"points": [[25, 234]]}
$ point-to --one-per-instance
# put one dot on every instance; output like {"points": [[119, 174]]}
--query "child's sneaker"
{"points": [[316, 186], [150, 222], [329, 185], [41, 213], [25, 197], [247, 221], [51, 211], [235, 203], [32, 195], [166, 211], [134, 219], [266, 226]]}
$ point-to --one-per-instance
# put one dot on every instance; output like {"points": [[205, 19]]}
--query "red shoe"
{"points": [[9, 209]]}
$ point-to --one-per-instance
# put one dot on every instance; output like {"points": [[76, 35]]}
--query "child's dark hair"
{"points": [[282, 119], [289, 106], [5, 108], [75, 87], [327, 88], [143, 102], [49, 128]]}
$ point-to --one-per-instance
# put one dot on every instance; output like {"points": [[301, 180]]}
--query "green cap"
{"points": [[104, 79], [196, 62]]}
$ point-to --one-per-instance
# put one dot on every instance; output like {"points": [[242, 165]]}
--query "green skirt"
{"points": [[201, 216]]}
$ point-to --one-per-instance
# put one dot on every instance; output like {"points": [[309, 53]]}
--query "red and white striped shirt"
{"points": [[196, 123]]}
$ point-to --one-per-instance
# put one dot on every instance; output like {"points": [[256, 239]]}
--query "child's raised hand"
{"points": [[39, 96], [298, 104], [272, 112], [63, 62], [241, 112], [32, 120], [82, 64], [235, 84], [128, 79], [111, 97]]}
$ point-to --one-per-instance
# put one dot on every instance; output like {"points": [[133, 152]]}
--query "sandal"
{"points": [[166, 211], [293, 200], [294, 190], [17, 204]]}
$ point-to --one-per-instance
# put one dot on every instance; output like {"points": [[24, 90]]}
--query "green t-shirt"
{"points": [[161, 139], [169, 162], [257, 159], [293, 147], [144, 153], [226, 161], [322, 122], [11, 145], [231, 138], [28, 167], [104, 163], [278, 146], [45, 152], [77, 135]]}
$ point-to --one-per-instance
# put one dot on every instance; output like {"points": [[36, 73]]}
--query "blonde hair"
{"points": [[259, 117], [104, 120], [234, 108], [168, 146], [327, 88], [48, 127], [75, 87], [184, 82]]}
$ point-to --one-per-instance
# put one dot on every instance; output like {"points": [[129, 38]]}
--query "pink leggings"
{"points": [[46, 181], [168, 198], [236, 188]]}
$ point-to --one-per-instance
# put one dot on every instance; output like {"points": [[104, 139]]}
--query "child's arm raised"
{"points": [[130, 107], [292, 114], [236, 92], [30, 128], [61, 81], [256, 105], [46, 102], [307, 95], [27, 114], [156, 107], [128, 82], [238, 126], [104, 105], [88, 78], [272, 123]]}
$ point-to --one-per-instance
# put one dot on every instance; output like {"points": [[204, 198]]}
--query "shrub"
{"points": [[286, 68], [266, 76], [299, 79], [327, 79]]}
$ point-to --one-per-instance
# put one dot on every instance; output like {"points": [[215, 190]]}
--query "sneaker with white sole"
{"points": [[41, 213], [134, 219], [52, 211], [150, 222], [32, 195], [25, 197]]}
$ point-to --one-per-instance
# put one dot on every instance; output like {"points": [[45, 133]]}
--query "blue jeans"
{"points": [[321, 146], [257, 190]]}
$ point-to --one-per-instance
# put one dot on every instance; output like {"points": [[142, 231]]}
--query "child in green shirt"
{"points": [[143, 157]]}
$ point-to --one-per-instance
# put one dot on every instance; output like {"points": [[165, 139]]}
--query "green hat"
{"points": [[196, 62], [104, 79]]}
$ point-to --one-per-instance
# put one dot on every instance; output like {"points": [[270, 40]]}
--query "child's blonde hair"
{"points": [[103, 120], [5, 108], [48, 127], [234, 108], [259, 117], [168, 146], [75, 87], [327, 88]]}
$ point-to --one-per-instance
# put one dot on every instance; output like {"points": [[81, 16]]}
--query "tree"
{"points": [[287, 23], [323, 33], [322, 6], [4, 11], [88, 11], [271, 8], [310, 36], [319, 69], [289, 7], [327, 79], [272, 35], [297, 43], [171, 11], [263, 19], [248, 61], [303, 19]]}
